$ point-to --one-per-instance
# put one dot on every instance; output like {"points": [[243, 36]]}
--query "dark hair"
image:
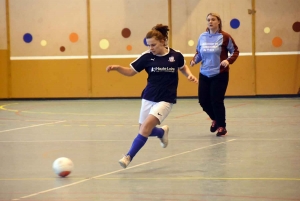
{"points": [[160, 32], [218, 17]]}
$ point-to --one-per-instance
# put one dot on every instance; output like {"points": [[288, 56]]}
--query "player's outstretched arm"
{"points": [[186, 71], [122, 70]]}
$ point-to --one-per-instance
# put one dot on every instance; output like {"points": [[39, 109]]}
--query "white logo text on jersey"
{"points": [[163, 69]]}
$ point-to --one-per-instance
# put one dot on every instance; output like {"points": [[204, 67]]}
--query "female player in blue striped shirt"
{"points": [[212, 51]]}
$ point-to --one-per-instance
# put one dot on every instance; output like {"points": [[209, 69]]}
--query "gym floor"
{"points": [[259, 158]]}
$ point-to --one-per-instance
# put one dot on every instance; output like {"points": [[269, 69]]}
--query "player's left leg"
{"points": [[218, 90], [161, 110]]}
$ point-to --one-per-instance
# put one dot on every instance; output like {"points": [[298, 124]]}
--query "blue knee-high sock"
{"points": [[137, 144], [159, 132]]}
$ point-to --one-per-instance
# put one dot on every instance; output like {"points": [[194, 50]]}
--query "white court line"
{"points": [[37, 120], [31, 126], [109, 173]]}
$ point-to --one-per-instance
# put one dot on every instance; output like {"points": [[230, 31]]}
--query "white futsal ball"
{"points": [[63, 166]]}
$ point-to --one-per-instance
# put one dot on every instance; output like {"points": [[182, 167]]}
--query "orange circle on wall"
{"points": [[73, 37], [277, 42], [129, 47]]}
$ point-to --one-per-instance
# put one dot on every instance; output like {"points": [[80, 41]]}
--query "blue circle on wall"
{"points": [[234, 23], [145, 42], [27, 38]]}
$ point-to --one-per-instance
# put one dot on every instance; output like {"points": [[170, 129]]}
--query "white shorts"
{"points": [[158, 109]]}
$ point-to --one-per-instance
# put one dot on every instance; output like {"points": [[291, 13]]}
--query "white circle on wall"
{"points": [[104, 44], [191, 43], [43, 43], [267, 30]]}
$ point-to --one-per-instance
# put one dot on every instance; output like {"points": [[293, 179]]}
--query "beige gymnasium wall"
{"points": [[59, 49], [277, 47], [49, 48], [3, 52], [118, 29]]}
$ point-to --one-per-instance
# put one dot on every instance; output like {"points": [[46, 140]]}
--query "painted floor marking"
{"points": [[31, 126], [158, 178], [55, 141], [109, 173], [3, 107]]}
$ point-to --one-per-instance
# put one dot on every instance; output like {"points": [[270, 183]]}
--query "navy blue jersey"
{"points": [[162, 72]]}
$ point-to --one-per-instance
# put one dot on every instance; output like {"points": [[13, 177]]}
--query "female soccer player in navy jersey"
{"points": [[162, 64], [212, 50]]}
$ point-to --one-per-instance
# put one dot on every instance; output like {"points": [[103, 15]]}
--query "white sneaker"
{"points": [[124, 162], [164, 139]]}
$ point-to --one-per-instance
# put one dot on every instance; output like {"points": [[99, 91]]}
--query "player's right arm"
{"points": [[197, 57], [122, 70]]}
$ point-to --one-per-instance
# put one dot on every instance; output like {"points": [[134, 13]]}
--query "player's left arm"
{"points": [[185, 70], [233, 50]]}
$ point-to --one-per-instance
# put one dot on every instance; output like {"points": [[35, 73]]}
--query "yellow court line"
{"points": [[118, 140], [156, 178], [37, 179], [48, 141], [2, 107], [202, 178]]}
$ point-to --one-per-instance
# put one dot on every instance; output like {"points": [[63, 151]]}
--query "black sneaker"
{"points": [[213, 126], [221, 131]]}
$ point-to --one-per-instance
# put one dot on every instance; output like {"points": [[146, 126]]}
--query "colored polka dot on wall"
{"points": [[104, 44], [277, 42], [191, 43], [267, 30], [234, 23], [126, 33], [73, 37], [27, 38], [296, 26], [129, 47], [62, 48], [145, 42], [43, 43]]}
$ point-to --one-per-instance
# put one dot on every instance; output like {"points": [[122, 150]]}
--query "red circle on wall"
{"points": [[126, 32]]}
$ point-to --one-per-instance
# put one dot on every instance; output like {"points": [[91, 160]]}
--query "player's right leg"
{"points": [[204, 97]]}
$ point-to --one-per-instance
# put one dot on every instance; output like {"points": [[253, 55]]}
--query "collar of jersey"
{"points": [[164, 54], [217, 32]]}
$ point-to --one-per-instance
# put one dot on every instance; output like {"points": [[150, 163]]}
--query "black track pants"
{"points": [[211, 94]]}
